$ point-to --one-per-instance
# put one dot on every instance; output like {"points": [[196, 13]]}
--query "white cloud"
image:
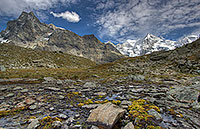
{"points": [[69, 16], [13, 8], [135, 18]]}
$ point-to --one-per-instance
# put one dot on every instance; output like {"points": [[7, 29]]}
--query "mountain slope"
{"points": [[185, 59], [14, 57], [27, 31], [151, 43]]}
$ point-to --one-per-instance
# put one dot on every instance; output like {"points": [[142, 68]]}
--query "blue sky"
{"points": [[112, 20]]}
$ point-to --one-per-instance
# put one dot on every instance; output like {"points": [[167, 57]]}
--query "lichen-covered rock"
{"points": [[106, 115]]}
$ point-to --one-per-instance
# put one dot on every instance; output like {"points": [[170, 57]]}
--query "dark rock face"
{"points": [[27, 31]]}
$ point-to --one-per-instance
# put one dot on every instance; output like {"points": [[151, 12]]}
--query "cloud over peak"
{"points": [[14, 7], [69, 16]]}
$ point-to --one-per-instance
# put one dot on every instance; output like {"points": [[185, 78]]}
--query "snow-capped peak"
{"points": [[151, 43]]}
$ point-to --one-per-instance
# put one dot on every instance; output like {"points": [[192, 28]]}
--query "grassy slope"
{"points": [[68, 66], [163, 65]]}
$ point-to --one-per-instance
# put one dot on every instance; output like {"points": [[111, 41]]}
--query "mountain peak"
{"points": [[27, 16]]}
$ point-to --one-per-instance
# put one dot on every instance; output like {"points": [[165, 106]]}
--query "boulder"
{"points": [[129, 126], [34, 124], [185, 94], [2, 68], [89, 84], [105, 115]]}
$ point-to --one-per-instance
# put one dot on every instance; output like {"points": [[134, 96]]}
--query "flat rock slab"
{"points": [[106, 115], [186, 94]]}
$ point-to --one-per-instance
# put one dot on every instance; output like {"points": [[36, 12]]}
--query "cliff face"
{"points": [[27, 31]]}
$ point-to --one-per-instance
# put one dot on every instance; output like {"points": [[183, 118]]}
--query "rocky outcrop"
{"points": [[106, 115], [27, 31]]}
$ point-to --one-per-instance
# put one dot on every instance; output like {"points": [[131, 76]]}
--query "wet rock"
{"points": [[129, 126], [56, 124], [155, 113], [34, 124], [106, 115]]}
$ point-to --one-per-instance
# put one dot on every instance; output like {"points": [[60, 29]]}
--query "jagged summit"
{"points": [[27, 16], [27, 31]]}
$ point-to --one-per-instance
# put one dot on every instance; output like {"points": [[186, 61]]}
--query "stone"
{"points": [[61, 97], [34, 124], [185, 94], [136, 77], [155, 113], [9, 95], [56, 124], [18, 88], [51, 108], [24, 90], [89, 84], [52, 88], [2, 68], [94, 127], [91, 106], [63, 116], [125, 102], [3, 89], [100, 93], [106, 115], [33, 107], [30, 101], [129, 126]]}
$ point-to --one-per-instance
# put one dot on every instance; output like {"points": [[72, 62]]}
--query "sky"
{"points": [[112, 20]]}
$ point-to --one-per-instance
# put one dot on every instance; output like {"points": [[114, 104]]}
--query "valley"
{"points": [[53, 78]]}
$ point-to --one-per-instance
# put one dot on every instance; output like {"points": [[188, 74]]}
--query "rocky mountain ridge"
{"points": [[27, 31], [151, 43]]}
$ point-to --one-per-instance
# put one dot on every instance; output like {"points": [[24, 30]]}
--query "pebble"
{"points": [[63, 116], [33, 107]]}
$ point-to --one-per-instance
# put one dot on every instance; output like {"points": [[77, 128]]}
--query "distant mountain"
{"points": [[27, 31], [151, 43]]}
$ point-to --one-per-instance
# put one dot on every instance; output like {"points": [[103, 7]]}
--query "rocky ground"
{"points": [[80, 104]]}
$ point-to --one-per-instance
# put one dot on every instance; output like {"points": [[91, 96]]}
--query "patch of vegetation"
{"points": [[14, 111], [138, 112]]}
